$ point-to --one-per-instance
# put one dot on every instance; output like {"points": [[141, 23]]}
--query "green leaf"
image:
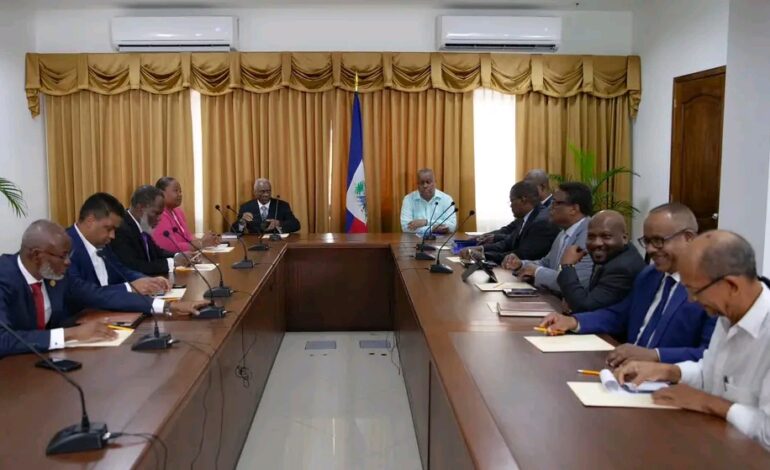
{"points": [[14, 196]]}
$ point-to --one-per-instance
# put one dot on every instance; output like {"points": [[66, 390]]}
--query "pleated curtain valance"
{"points": [[260, 72]]}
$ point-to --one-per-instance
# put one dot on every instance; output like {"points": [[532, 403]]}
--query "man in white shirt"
{"points": [[732, 380], [426, 203]]}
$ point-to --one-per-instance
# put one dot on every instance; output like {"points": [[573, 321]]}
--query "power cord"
{"points": [[150, 438]]}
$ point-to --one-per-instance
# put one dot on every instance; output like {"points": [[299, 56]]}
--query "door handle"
{"points": [[715, 216]]}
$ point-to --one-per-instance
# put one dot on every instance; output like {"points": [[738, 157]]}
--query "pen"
{"points": [[588, 372], [548, 331], [116, 327]]}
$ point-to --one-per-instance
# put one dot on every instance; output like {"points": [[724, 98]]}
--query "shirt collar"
{"points": [[753, 320], [27, 276], [573, 228], [437, 196], [263, 205], [528, 214], [89, 247], [545, 201], [135, 221], [677, 278]]}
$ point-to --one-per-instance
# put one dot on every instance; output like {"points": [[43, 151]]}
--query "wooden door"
{"points": [[696, 143]]}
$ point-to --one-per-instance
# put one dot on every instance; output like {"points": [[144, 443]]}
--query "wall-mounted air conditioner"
{"points": [[185, 33], [506, 33]]}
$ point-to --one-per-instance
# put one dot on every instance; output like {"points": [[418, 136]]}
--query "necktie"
{"points": [[564, 244], [595, 275], [263, 212], [145, 236], [37, 297], [649, 329]]}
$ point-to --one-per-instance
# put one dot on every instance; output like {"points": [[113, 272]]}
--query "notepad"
{"points": [[569, 343], [611, 384], [122, 336], [594, 394], [284, 236], [218, 249], [492, 287], [201, 267], [521, 309], [173, 294], [474, 234]]}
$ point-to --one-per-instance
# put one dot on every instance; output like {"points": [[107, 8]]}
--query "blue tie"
{"points": [[649, 330]]}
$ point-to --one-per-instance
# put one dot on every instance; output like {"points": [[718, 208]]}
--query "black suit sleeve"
{"points": [[497, 250], [130, 252], [536, 243], [503, 232], [289, 223], [40, 339], [613, 285]]}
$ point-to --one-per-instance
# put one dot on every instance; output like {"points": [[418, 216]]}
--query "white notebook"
{"points": [[569, 343], [520, 309], [594, 394], [122, 336], [201, 267], [492, 287], [173, 294]]}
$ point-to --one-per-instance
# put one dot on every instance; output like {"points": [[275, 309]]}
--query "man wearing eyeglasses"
{"points": [[35, 292], [732, 380], [655, 320]]}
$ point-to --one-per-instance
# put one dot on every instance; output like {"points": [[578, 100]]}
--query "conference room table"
{"points": [[480, 395]]}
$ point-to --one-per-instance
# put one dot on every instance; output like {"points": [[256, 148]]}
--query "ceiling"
{"points": [[621, 5]]}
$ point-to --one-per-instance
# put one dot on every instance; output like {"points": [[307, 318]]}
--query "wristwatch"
{"points": [[564, 266]]}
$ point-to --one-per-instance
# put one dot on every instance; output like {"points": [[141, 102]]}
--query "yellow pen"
{"points": [[548, 331], [116, 327], [588, 372]]}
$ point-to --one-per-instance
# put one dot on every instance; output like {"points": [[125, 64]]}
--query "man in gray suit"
{"points": [[571, 210]]}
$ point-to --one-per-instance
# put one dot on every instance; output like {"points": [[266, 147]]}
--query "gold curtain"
{"points": [[282, 135], [402, 133], [262, 72], [115, 143], [545, 126]]}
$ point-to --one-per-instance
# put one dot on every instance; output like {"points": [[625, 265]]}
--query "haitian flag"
{"points": [[355, 199]]}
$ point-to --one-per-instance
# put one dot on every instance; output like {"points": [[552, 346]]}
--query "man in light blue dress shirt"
{"points": [[418, 206]]}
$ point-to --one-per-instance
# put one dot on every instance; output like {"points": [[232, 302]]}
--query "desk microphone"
{"points": [[150, 341], [211, 310], [78, 437], [245, 263], [261, 246], [275, 236], [428, 234], [437, 267], [229, 232], [420, 254], [222, 290]]}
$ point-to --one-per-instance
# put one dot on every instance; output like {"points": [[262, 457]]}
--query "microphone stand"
{"points": [[211, 310], [480, 264], [437, 267], [78, 437], [422, 246], [420, 254], [275, 236], [245, 263], [222, 290], [229, 232], [261, 246], [151, 341]]}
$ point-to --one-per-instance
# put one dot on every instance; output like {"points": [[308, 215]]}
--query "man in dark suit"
{"points": [[656, 319], [616, 265], [532, 233], [133, 242], [35, 292], [92, 258], [265, 214]]}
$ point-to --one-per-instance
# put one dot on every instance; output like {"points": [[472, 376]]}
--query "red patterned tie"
{"points": [[37, 296]]}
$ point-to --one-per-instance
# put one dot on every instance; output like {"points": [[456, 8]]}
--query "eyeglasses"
{"points": [[658, 242], [556, 203], [707, 286], [65, 258]]}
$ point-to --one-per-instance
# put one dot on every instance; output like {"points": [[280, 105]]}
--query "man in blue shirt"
{"points": [[418, 206]]}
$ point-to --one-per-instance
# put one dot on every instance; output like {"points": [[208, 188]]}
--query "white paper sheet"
{"points": [[173, 294], [122, 336], [218, 249], [454, 259], [612, 385], [492, 287], [284, 236], [202, 267], [474, 234], [594, 394], [569, 343], [524, 311]]}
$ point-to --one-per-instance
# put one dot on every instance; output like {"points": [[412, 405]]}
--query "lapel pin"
{"points": [[52, 283]]}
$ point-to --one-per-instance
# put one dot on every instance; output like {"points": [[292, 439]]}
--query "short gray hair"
{"points": [[261, 181], [145, 195], [538, 177], [679, 212]]}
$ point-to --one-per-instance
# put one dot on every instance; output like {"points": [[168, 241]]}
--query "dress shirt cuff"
{"points": [[691, 373], [171, 264], [747, 419], [537, 269], [57, 339], [657, 352], [128, 287], [577, 328], [157, 305]]}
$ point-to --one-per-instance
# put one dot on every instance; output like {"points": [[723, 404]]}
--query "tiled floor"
{"points": [[333, 409]]}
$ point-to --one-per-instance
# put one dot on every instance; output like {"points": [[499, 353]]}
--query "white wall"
{"points": [[672, 39], [746, 138], [336, 28], [21, 138]]}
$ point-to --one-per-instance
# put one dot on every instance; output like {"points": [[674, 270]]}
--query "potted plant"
{"points": [[585, 162], [15, 197]]}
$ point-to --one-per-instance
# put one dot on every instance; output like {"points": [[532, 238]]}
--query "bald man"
{"points": [[540, 178], [35, 289], [655, 320], [732, 381], [616, 265], [264, 213]]}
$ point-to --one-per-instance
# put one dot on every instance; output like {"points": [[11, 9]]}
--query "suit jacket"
{"points": [[17, 308], [609, 284], [682, 334], [129, 247], [279, 210], [503, 232], [532, 241], [549, 265]]}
